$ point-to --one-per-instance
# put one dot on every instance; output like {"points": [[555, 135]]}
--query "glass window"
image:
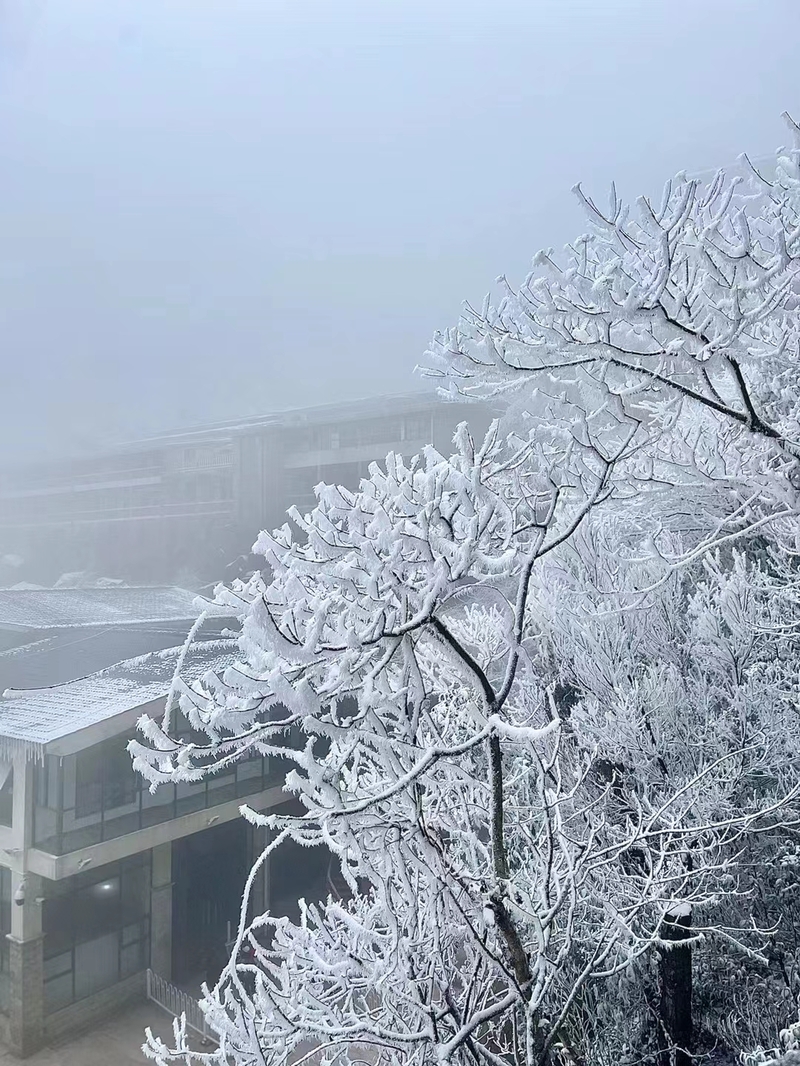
{"points": [[104, 778], [133, 959], [299, 485], [97, 796], [346, 474], [58, 965], [96, 965], [58, 992], [121, 782], [96, 930], [418, 428], [380, 431], [135, 892], [349, 435], [88, 781]]}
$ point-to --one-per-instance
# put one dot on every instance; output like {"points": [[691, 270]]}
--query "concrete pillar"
{"points": [[22, 802], [26, 965], [26, 999], [161, 911], [259, 896], [266, 892]]}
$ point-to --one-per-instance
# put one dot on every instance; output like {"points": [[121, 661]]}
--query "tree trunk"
{"points": [[675, 988]]}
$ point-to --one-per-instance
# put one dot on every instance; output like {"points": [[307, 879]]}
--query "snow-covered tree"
{"points": [[506, 859], [489, 885], [680, 315], [659, 683]]}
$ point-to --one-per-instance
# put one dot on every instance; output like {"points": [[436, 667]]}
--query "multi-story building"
{"points": [[194, 501], [100, 879]]}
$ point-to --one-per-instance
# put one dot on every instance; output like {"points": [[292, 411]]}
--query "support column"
{"points": [[161, 911], [26, 964], [259, 898]]}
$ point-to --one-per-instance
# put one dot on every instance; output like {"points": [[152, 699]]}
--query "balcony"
{"points": [[94, 796]]}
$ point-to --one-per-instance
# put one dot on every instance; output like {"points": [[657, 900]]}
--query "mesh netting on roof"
{"points": [[32, 718], [45, 609]]}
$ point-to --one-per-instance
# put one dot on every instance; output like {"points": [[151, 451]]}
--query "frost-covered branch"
{"points": [[537, 698]]}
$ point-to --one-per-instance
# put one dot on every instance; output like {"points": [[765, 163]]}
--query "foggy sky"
{"points": [[214, 207]]}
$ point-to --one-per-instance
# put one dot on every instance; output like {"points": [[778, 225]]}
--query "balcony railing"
{"points": [[73, 818], [205, 461]]}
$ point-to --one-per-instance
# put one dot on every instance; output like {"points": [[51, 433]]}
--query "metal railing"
{"points": [[178, 1004]]}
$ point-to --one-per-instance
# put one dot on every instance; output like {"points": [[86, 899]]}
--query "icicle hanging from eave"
{"points": [[10, 747]]}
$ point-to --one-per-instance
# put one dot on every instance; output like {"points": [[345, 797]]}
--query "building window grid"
{"points": [[414, 429], [363, 432], [108, 824], [60, 963], [141, 944]]}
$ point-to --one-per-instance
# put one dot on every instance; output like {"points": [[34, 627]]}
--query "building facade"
{"points": [[196, 500], [100, 879]]}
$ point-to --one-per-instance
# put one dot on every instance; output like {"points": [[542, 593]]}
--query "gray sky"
{"points": [[213, 207]]}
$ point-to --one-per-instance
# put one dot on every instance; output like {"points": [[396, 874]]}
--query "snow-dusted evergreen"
{"points": [[538, 697]]}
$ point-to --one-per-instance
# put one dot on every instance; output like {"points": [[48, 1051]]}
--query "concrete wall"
{"points": [[26, 965], [26, 1001], [161, 911]]}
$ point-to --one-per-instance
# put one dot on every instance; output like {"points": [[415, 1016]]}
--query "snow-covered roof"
{"points": [[33, 718], [54, 658], [46, 609]]}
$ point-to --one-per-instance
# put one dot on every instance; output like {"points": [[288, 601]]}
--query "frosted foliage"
{"points": [[485, 856], [679, 312], [788, 1054], [701, 675], [529, 695], [390, 636]]}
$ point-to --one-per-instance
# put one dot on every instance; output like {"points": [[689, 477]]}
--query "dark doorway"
{"points": [[209, 870], [295, 871]]}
